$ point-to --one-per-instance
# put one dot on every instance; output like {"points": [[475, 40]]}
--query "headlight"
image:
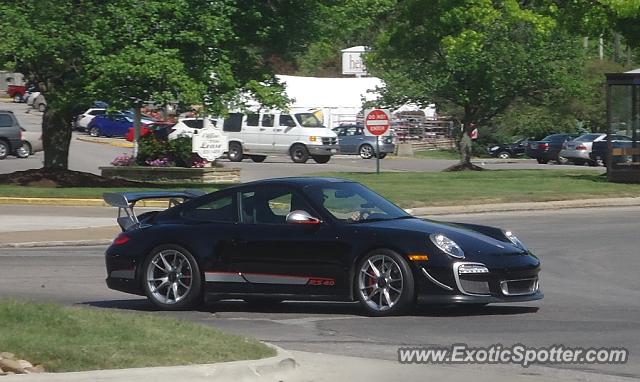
{"points": [[494, 148], [514, 239], [447, 245]]}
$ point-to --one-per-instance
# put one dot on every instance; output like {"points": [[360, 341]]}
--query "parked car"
{"points": [[31, 143], [508, 150], [37, 101], [10, 133], [301, 135], [310, 239], [548, 149], [598, 154], [352, 140], [186, 127], [160, 130], [577, 150], [17, 92], [109, 125], [81, 122]]}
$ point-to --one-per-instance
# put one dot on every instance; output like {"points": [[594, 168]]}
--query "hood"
{"points": [[473, 239]]}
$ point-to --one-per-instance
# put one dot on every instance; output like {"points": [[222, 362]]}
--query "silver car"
{"points": [[31, 143], [578, 150], [352, 140]]}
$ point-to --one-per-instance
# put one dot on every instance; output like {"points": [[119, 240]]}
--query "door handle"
{"points": [[277, 130], [360, 139]]}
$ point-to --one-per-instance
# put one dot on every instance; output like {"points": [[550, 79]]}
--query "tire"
{"points": [[235, 152], [299, 153], [382, 155], [42, 107], [321, 158], [4, 149], [504, 155], [24, 151], [542, 161], [366, 151], [94, 132], [258, 158], [167, 283], [17, 98], [384, 296], [561, 160]]}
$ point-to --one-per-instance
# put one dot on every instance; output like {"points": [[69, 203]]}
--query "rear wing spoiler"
{"points": [[126, 201]]}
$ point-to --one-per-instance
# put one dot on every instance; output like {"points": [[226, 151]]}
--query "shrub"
{"points": [[160, 153]]}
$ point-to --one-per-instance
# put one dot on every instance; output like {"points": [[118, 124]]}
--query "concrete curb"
{"points": [[61, 243], [106, 141], [273, 368]]}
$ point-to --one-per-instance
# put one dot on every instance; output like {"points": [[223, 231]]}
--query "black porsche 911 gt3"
{"points": [[310, 239]]}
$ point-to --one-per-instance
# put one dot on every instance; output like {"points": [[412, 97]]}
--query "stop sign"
{"points": [[376, 122]]}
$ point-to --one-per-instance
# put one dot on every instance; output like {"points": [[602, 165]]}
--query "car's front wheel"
{"points": [[171, 278], [24, 151], [384, 283], [504, 155]]}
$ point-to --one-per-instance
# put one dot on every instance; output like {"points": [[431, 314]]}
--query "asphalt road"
{"points": [[589, 276]]}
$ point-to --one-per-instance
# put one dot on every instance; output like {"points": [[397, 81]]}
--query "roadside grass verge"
{"points": [[418, 189], [75, 339], [90, 192]]}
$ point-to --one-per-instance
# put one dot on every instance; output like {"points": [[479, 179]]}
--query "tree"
{"points": [[129, 51], [472, 57]]}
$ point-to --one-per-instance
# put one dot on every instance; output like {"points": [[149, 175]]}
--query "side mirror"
{"points": [[301, 217]]}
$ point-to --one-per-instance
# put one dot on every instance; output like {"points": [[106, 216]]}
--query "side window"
{"points": [[351, 131], [252, 119], [232, 123], [270, 205], [221, 209], [267, 120], [359, 131], [98, 112], [340, 132], [287, 120], [6, 120]]}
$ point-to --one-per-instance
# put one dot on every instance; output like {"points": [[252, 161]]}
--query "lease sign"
{"points": [[377, 122]]}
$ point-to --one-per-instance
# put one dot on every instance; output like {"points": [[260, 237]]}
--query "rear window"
{"points": [[97, 112], [588, 137], [194, 123]]}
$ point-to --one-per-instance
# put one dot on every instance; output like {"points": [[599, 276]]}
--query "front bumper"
{"points": [[322, 149], [457, 284]]}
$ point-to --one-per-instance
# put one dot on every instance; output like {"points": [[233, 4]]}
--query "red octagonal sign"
{"points": [[376, 122]]}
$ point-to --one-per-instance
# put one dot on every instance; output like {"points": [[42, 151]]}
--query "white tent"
{"points": [[339, 99]]}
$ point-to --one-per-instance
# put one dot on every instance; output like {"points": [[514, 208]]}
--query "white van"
{"points": [[299, 135]]}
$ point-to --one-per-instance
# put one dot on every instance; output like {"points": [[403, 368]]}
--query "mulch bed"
{"points": [[63, 178]]}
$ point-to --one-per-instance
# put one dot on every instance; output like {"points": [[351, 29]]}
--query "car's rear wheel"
{"points": [[366, 151], [94, 132], [504, 155], [562, 160], [17, 98], [42, 107], [299, 153], [321, 158], [171, 278], [24, 151], [4, 149], [258, 158], [384, 283], [542, 161], [235, 152]]}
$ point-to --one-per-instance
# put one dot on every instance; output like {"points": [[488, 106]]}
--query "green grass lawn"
{"points": [[416, 189], [74, 339]]}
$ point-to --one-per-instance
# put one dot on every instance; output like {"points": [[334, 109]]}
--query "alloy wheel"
{"points": [[366, 152], [169, 276], [380, 282]]}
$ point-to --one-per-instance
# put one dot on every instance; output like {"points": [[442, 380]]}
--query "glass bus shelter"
{"points": [[623, 127]]}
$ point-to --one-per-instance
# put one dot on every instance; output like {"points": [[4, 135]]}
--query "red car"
{"points": [[160, 129], [17, 92]]}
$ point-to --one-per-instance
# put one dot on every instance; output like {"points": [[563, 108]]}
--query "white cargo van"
{"points": [[299, 135]]}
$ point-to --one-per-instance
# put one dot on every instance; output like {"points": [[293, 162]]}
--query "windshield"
{"points": [[354, 203], [308, 120]]}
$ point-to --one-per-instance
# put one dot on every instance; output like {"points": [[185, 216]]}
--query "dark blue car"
{"points": [[110, 125]]}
